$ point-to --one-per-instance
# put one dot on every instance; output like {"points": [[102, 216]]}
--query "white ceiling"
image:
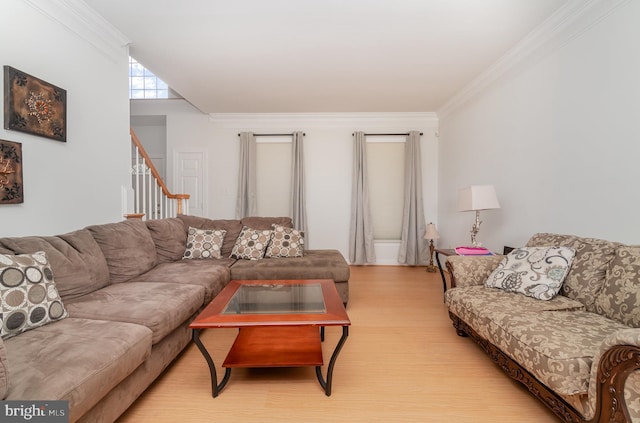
{"points": [[286, 56]]}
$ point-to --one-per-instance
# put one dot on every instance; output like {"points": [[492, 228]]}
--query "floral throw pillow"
{"points": [[28, 294], [285, 242], [204, 243], [536, 272], [251, 244]]}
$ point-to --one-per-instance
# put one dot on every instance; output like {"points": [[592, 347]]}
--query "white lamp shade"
{"points": [[431, 232], [477, 197]]}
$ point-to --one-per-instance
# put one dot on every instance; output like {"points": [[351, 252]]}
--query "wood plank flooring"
{"points": [[403, 362]]}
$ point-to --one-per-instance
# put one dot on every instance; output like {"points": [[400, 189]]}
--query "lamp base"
{"points": [[431, 268]]}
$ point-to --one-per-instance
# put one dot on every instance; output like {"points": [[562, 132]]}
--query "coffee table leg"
{"points": [[326, 385], [215, 386]]}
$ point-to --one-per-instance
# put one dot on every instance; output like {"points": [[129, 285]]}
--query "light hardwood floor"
{"points": [[403, 362]]}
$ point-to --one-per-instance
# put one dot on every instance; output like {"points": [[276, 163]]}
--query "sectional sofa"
{"points": [[577, 350], [110, 305]]}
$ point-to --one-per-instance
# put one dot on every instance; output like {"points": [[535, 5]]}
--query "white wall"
{"points": [[68, 185], [328, 155], [559, 139]]}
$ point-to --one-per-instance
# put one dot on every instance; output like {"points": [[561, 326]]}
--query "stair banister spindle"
{"points": [[136, 201], [152, 199]]}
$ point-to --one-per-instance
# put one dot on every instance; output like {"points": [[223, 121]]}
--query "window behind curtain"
{"points": [[273, 172], [385, 165]]}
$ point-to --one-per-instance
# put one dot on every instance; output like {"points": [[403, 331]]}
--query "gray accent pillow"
{"points": [[251, 244], [285, 242], [204, 243], [28, 294]]}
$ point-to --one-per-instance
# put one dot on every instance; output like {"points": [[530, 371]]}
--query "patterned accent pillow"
{"points": [[251, 244], [204, 243], [589, 268], [28, 294], [285, 242], [536, 272]]}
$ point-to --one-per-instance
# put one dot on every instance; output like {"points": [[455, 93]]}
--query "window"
{"points": [[385, 165], [144, 84], [273, 174]]}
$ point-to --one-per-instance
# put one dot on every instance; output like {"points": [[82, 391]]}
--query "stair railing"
{"points": [[152, 199]]}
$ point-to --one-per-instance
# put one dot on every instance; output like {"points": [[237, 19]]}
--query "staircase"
{"points": [[152, 199]]}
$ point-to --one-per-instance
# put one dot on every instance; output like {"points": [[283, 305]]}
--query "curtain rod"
{"points": [[386, 135], [275, 135]]}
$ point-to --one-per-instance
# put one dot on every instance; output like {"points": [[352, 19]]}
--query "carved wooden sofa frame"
{"points": [[613, 369]]}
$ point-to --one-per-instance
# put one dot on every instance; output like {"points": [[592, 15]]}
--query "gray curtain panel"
{"points": [[246, 203], [298, 197], [413, 247], [361, 248]]}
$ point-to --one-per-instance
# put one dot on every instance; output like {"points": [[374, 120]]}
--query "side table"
{"points": [[445, 252]]}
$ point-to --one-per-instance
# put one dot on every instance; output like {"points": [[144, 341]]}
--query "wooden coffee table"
{"points": [[281, 324]]}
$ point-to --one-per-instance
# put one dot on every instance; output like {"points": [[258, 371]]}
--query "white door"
{"points": [[191, 179]]}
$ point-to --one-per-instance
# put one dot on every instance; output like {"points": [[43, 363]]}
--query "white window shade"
{"points": [[385, 164], [273, 173]]}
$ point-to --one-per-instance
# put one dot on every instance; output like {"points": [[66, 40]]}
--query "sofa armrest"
{"points": [[4, 372], [614, 385], [471, 270]]}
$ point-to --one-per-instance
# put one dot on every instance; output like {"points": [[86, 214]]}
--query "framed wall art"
{"points": [[34, 106], [11, 191]]}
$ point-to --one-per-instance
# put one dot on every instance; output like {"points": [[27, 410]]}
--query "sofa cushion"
{"points": [[285, 242], [169, 236], [28, 294], [557, 347], [127, 247], [620, 295], [315, 264], [76, 260], [536, 272], [258, 222], [204, 243], [233, 228], [477, 305], [161, 307], [212, 275], [4, 371], [76, 360], [251, 244], [586, 276]]}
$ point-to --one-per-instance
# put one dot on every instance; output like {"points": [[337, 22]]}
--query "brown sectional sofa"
{"points": [[130, 298], [579, 352]]}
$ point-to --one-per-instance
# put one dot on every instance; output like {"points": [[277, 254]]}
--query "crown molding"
{"points": [[82, 20], [568, 22], [342, 120]]}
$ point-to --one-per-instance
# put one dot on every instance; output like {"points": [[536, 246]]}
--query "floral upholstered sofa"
{"points": [[577, 351]]}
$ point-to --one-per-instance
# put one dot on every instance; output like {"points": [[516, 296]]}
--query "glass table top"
{"points": [[276, 299]]}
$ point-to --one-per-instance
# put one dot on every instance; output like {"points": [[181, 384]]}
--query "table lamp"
{"points": [[476, 198], [431, 233]]}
